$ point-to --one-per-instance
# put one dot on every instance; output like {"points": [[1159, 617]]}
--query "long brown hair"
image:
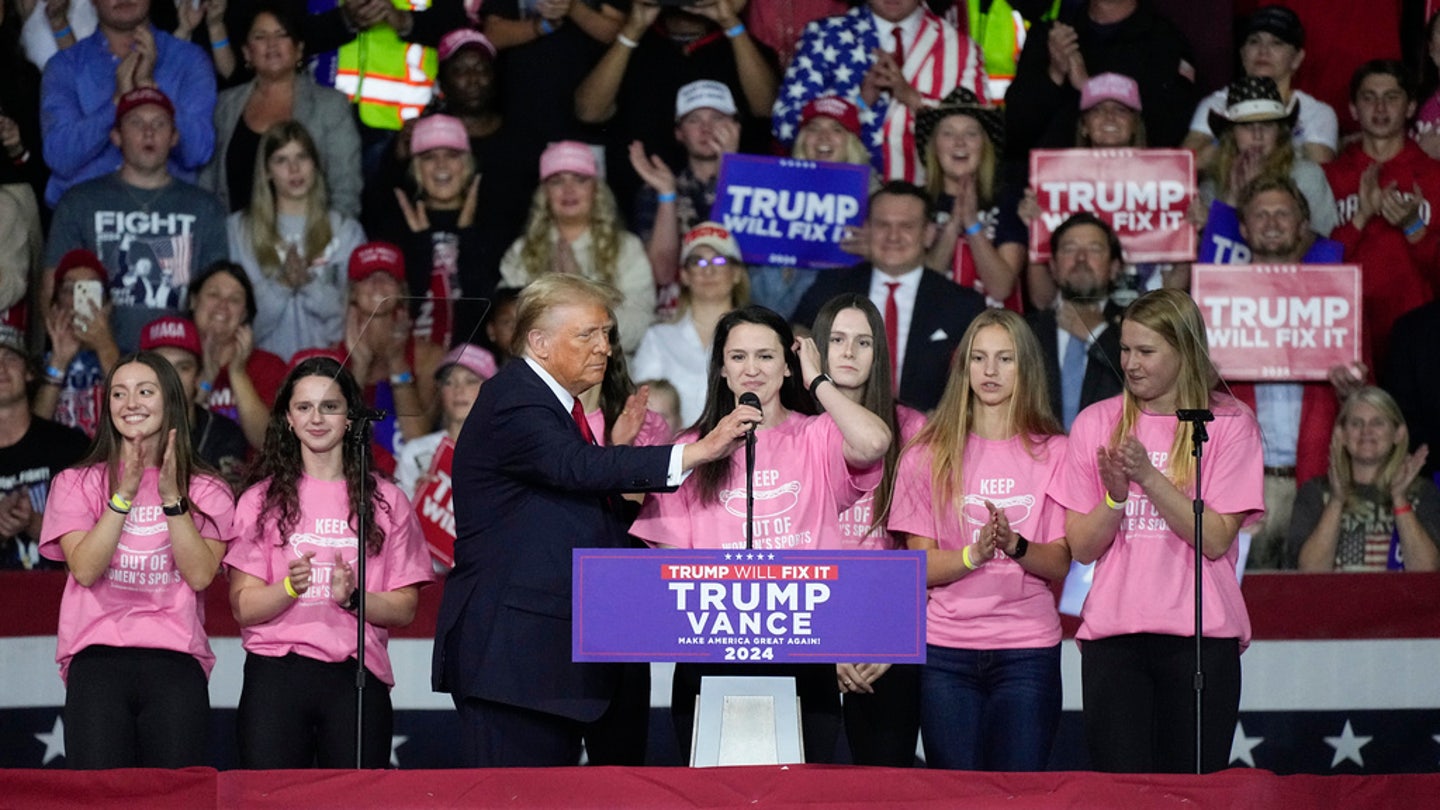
{"points": [[720, 400], [877, 395], [108, 444], [282, 463], [948, 430]]}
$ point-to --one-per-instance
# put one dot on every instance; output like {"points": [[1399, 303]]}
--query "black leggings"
{"points": [[296, 712], [136, 708], [1140, 702], [814, 684], [884, 727]]}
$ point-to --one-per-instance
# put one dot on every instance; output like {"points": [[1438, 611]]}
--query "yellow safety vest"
{"points": [[389, 79], [1000, 35]]}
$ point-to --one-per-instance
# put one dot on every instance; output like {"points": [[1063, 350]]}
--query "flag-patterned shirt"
{"points": [[835, 53]]}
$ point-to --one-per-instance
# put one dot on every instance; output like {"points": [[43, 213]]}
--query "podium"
{"points": [[739, 606]]}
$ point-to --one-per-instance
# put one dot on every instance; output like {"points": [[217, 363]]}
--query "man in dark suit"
{"points": [[930, 311], [531, 486], [1081, 335]]}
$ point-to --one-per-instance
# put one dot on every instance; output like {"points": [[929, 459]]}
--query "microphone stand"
{"points": [[1197, 418], [361, 420], [749, 489]]}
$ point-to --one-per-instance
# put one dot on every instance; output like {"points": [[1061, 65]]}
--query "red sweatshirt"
{"points": [[1396, 275]]}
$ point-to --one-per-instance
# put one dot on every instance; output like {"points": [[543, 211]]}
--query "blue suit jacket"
{"points": [[528, 491]]}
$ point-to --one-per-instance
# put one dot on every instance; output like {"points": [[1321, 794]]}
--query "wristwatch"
{"points": [[178, 509], [1021, 546]]}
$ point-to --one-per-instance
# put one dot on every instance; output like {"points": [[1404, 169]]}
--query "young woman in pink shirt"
{"points": [[808, 469], [882, 715], [971, 492], [142, 525], [292, 581], [1128, 486]]}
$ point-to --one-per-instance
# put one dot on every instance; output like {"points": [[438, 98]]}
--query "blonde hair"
{"points": [[1380, 400], [468, 158], [947, 431], [261, 219], [1173, 315], [854, 151], [984, 177], [549, 292], [605, 230], [1278, 163]]}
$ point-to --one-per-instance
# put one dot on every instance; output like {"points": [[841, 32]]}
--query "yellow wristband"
{"points": [[1112, 503], [965, 558], [119, 504], [290, 589]]}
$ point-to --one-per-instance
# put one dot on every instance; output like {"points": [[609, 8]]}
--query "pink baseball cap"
{"points": [[1110, 87], [832, 107], [471, 358], [439, 132], [139, 98], [179, 333], [451, 43], [567, 156], [376, 257]]}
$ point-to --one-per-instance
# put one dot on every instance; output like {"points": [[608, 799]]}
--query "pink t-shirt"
{"points": [[141, 601], [802, 483], [314, 625], [999, 606], [1144, 580], [855, 522]]}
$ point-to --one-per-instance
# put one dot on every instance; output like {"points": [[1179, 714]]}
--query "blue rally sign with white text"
{"points": [[790, 213], [734, 606]]}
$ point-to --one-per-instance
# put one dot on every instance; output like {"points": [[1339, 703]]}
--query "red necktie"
{"points": [[899, 46], [577, 411], [892, 333]]}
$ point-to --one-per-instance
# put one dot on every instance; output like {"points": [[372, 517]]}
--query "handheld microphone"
{"points": [[749, 398]]}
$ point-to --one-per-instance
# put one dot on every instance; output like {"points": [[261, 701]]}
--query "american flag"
{"points": [[174, 256], [835, 53]]}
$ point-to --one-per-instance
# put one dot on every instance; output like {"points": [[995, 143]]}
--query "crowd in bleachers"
{"points": [[270, 194]]}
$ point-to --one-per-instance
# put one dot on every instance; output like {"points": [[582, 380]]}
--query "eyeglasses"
{"points": [[716, 264]]}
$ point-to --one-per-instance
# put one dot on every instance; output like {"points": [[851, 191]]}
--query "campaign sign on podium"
{"points": [[737, 606]]}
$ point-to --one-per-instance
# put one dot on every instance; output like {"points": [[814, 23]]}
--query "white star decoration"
{"points": [[859, 55], [1347, 746], [396, 740], [1241, 746], [54, 741], [829, 54], [842, 74], [846, 37]]}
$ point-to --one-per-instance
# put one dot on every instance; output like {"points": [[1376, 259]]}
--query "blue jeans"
{"points": [[989, 710]]}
